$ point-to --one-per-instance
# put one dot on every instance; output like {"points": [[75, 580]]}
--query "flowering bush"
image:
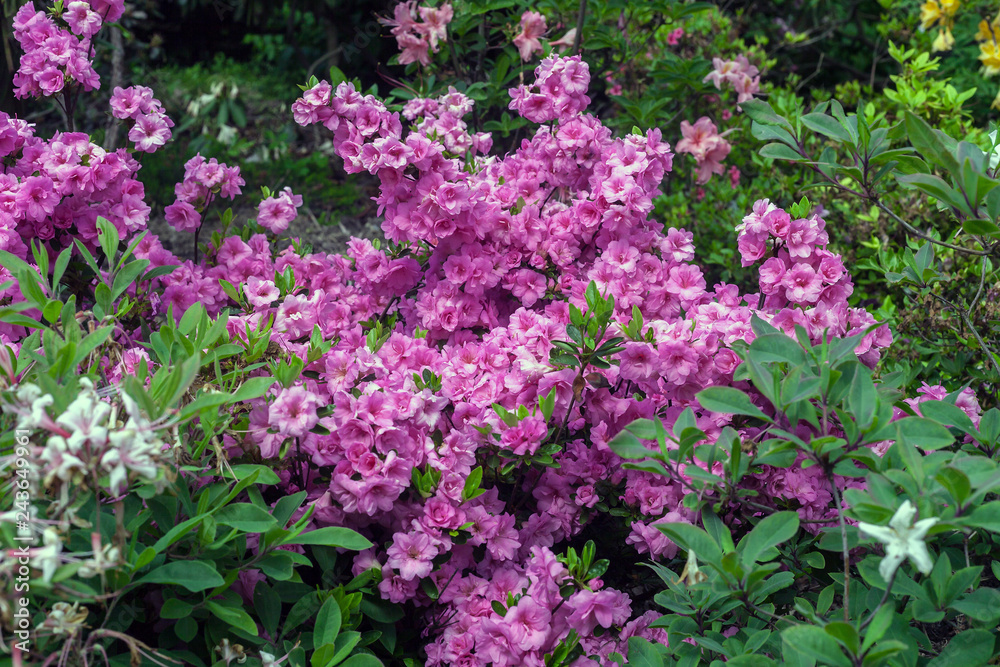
{"points": [[527, 377]]}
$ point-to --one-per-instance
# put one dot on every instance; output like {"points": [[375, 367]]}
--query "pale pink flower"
{"points": [[294, 412], [532, 27]]}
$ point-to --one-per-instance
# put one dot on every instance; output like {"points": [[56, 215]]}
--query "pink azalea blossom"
{"points": [[532, 27]]}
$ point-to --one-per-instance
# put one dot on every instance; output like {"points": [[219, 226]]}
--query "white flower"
{"points": [[995, 157], [65, 619], [132, 447], [35, 416], [61, 461], [903, 539], [85, 418], [47, 557], [104, 559], [231, 652]]}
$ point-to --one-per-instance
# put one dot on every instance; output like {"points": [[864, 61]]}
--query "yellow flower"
{"points": [[989, 54], [988, 31], [996, 102], [930, 13], [944, 41], [949, 7]]}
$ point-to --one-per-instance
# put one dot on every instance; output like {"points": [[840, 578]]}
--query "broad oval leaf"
{"points": [[728, 400], [772, 531]]}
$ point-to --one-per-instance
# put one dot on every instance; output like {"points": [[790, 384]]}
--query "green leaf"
{"points": [[362, 660], [956, 482], [643, 653], [947, 414], [277, 565], [175, 608], [328, 622], [728, 400], [194, 575], [776, 151], [862, 398], [186, 628], [252, 388], [978, 226], [972, 648], [381, 611], [879, 625], [332, 536], [934, 186], [777, 347], [107, 234], [267, 604], [627, 446], [771, 531], [929, 142], [301, 611], [845, 633], [761, 112], [692, 538], [235, 617], [127, 276], [472, 483], [827, 126], [245, 517], [815, 643], [265, 475], [986, 516], [982, 604], [923, 433]]}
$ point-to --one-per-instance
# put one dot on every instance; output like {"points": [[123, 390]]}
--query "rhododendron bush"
{"points": [[450, 445]]}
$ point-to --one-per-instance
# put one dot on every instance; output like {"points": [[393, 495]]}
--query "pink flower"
{"points": [[435, 25], [591, 609], [702, 140], [294, 411], [131, 101], [81, 19], [411, 555], [532, 27], [529, 624], [802, 284], [415, 49], [182, 216], [150, 132], [260, 293], [274, 213]]}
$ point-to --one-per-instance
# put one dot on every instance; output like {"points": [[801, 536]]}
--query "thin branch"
{"points": [[979, 292], [846, 549], [578, 39], [885, 596], [913, 230]]}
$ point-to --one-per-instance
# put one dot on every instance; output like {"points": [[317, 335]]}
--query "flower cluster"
{"points": [[58, 53], [417, 38], [442, 118], [489, 252], [487, 255], [739, 73], [54, 190], [559, 91], [203, 181], [152, 126], [940, 13], [989, 51], [703, 142], [87, 442]]}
